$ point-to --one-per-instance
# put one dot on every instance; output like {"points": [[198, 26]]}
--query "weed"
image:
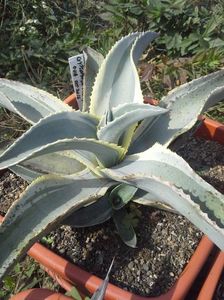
{"points": [[25, 275]]}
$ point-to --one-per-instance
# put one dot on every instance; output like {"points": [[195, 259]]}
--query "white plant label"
{"points": [[76, 64]]}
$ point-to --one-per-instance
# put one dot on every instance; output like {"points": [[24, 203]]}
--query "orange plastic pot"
{"points": [[210, 284], [39, 294], [210, 130], [71, 101], [67, 274], [89, 283]]}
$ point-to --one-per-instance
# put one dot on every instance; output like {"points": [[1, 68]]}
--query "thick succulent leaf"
{"points": [[124, 227], [185, 103], [144, 198], [29, 102], [5, 102], [121, 109], [170, 179], [46, 202], [61, 163], [115, 60], [93, 61], [51, 102], [19, 104], [117, 81], [106, 154], [60, 126], [88, 159], [123, 120], [25, 173], [93, 214], [64, 163], [121, 195]]}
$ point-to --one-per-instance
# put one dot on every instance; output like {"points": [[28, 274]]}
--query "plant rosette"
{"points": [[86, 165], [69, 275]]}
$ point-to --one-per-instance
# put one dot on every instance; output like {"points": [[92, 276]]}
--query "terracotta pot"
{"points": [[210, 130], [210, 284], [67, 274], [71, 101], [39, 294], [62, 269]]}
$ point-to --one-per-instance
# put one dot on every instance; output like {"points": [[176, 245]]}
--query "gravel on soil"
{"points": [[11, 187], [166, 241], [205, 157]]}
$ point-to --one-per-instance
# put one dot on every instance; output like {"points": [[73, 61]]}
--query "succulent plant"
{"points": [[86, 165]]}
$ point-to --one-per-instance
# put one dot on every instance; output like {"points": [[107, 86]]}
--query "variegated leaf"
{"points": [[122, 121], [64, 163], [117, 81], [46, 202], [106, 154], [5, 102], [93, 61], [25, 173], [185, 104], [60, 163], [144, 198], [29, 102], [60, 126], [170, 179]]}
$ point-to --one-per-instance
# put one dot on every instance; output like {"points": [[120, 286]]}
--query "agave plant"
{"points": [[86, 165]]}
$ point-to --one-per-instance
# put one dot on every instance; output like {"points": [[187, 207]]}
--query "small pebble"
{"points": [[131, 265], [145, 267]]}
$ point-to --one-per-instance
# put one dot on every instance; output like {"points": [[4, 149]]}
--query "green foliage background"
{"points": [[37, 37]]}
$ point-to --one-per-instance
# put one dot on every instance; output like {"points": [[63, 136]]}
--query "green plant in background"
{"points": [[217, 112], [38, 36], [193, 25], [25, 275], [99, 159]]}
